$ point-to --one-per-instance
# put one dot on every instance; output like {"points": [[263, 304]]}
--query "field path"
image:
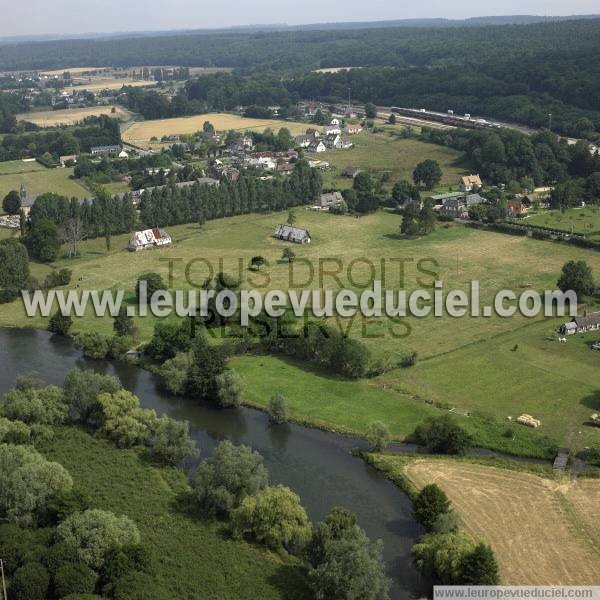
{"points": [[543, 532]]}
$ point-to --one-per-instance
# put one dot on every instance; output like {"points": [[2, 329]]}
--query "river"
{"points": [[317, 465]]}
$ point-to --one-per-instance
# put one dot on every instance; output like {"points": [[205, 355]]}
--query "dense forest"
{"points": [[517, 73]]}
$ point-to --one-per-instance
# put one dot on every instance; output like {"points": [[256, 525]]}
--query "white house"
{"points": [[333, 130], [149, 238], [334, 141], [316, 146]]}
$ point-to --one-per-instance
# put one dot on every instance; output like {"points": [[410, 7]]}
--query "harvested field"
{"points": [[543, 532], [71, 116], [141, 133], [95, 84]]}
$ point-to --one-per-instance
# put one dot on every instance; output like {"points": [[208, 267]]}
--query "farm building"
{"points": [[581, 324], [292, 234], [468, 183], [316, 146], [330, 199], [516, 208], [351, 172], [353, 129], [149, 238]]}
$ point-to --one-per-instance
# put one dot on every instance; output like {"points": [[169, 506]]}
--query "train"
{"points": [[448, 118]]}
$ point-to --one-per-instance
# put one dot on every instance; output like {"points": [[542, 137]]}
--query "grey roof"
{"points": [[287, 232], [592, 320]]}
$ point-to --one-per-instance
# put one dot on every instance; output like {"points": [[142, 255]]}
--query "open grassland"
{"points": [[543, 531], [71, 116], [382, 153], [39, 181], [193, 558], [575, 220], [491, 367], [141, 133], [15, 167]]}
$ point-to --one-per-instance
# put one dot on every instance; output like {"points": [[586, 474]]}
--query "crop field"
{"points": [[39, 181], [462, 362], [193, 557], [542, 531], [575, 220], [71, 116], [142, 132], [396, 158]]}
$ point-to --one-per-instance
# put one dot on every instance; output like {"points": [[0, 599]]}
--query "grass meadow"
{"points": [[39, 180], [193, 558], [391, 156], [575, 220], [491, 367]]}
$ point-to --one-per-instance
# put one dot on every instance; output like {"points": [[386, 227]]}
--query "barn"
{"points": [[149, 238]]}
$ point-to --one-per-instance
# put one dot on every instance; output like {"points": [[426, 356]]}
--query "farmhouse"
{"points": [[469, 183], [303, 140], [285, 168], [581, 324], [516, 208], [105, 150], [458, 206], [67, 158], [149, 238], [330, 199], [333, 141], [292, 234]]}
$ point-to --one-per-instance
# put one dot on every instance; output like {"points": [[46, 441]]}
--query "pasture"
{"points": [[542, 531], [575, 220], [391, 157], [40, 180], [71, 116], [468, 364], [193, 557], [16, 167], [141, 133]]}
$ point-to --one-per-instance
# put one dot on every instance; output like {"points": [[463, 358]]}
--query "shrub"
{"points": [[81, 391], [273, 517], [207, 363], [429, 504], [60, 324], [168, 340], [170, 442], [174, 373], [479, 567], [30, 582], [58, 278], [34, 405], [277, 409], [93, 533], [441, 555], [27, 481], [447, 522], [223, 480], [154, 283], [123, 324], [14, 432], [75, 578], [442, 435], [118, 346], [230, 387], [377, 436], [121, 561], [93, 344]]}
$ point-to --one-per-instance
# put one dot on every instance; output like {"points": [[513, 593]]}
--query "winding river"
{"points": [[317, 465]]}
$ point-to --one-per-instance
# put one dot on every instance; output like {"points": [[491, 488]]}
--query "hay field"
{"points": [[141, 133], [71, 116], [96, 84], [543, 532]]}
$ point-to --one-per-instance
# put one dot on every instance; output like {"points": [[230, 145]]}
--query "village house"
{"points": [[457, 207], [333, 128], [316, 146], [303, 141], [346, 144], [353, 129], [105, 150], [312, 132], [333, 141], [516, 208], [67, 158], [285, 168], [581, 324], [469, 183], [149, 238], [330, 199], [288, 233]]}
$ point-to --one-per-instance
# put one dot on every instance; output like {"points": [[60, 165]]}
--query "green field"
{"points": [[382, 153], [193, 558], [468, 364], [39, 180], [575, 220]]}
